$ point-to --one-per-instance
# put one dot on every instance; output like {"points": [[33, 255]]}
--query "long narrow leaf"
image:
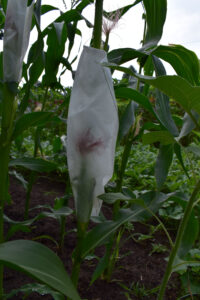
{"points": [[122, 10], [103, 230], [128, 93], [38, 262], [156, 11], [34, 164], [31, 119], [127, 120], [163, 164], [184, 61], [162, 107], [175, 87]]}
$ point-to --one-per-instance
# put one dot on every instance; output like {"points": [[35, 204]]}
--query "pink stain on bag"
{"points": [[87, 143]]}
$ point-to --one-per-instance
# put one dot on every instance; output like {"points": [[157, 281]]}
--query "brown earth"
{"points": [[135, 266]]}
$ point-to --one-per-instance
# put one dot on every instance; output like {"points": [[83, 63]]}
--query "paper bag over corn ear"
{"points": [[16, 38], [91, 132]]}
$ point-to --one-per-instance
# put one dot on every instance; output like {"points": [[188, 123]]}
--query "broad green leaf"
{"points": [[191, 231], [15, 226], [34, 164], [156, 11], [57, 213], [83, 4], [188, 124], [71, 32], [72, 15], [127, 120], [47, 8], [175, 87], [20, 178], [36, 69], [35, 288], [178, 89], [102, 231], [189, 279], [162, 107], [128, 93], [38, 262], [113, 197], [31, 119], [36, 60], [37, 14], [57, 37], [184, 61], [120, 56], [1, 66], [182, 265], [164, 137], [4, 4], [177, 150], [163, 164], [195, 149], [191, 234], [101, 266], [122, 10]]}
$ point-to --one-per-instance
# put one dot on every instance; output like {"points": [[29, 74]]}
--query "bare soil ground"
{"points": [[135, 266]]}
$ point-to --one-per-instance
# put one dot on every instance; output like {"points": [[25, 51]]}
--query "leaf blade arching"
{"points": [[38, 262]]}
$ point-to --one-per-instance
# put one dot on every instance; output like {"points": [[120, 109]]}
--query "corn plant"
{"points": [[21, 253]]}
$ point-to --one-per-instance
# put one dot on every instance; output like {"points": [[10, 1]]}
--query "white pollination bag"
{"points": [[91, 132], [16, 38]]}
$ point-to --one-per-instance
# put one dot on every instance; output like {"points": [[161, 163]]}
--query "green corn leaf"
{"points": [[193, 148], [128, 93], [102, 231], [162, 107], [4, 4], [37, 15], [188, 124], [46, 8], [156, 11], [57, 213], [36, 60], [184, 61], [41, 289], [127, 120], [179, 89], [164, 137], [163, 164], [122, 10], [177, 150], [120, 56], [102, 265], [83, 4], [191, 234], [39, 118], [113, 197], [38, 262], [34, 164], [182, 265], [1, 66], [57, 37], [175, 87]]}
